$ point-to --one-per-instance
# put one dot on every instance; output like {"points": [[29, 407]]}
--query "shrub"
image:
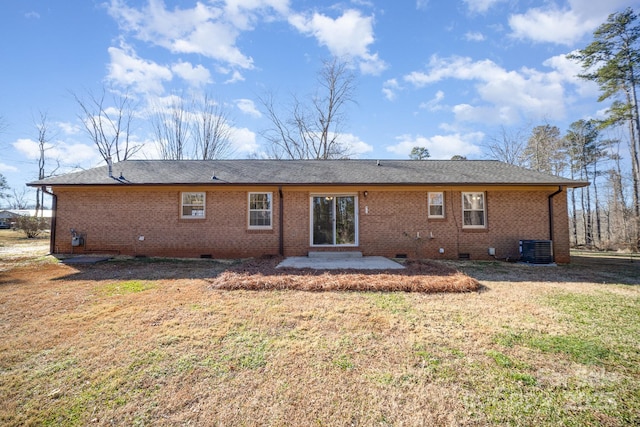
{"points": [[32, 226]]}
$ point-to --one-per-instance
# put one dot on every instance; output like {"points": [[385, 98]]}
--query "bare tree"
{"points": [[171, 129], [545, 150], [43, 146], [211, 130], [313, 131], [19, 199], [42, 142], [109, 127], [509, 146]]}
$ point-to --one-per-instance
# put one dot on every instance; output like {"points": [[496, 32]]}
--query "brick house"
{"points": [[247, 208]]}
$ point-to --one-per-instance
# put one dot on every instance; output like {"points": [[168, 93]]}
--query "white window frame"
{"points": [[429, 204], [270, 210], [484, 209], [183, 205]]}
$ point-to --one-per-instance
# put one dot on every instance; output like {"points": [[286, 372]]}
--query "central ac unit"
{"points": [[536, 251]]}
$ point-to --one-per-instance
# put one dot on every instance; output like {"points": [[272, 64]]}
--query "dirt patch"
{"points": [[417, 276]]}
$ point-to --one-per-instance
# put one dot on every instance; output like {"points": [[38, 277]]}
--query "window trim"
{"points": [[270, 210], [356, 220], [429, 215], [204, 205], [484, 210]]}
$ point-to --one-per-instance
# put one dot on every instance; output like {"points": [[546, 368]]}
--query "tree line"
{"points": [[606, 214]]}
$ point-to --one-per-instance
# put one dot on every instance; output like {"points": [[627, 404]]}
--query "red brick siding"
{"points": [[114, 220]]}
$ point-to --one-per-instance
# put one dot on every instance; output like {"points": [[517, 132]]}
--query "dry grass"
{"points": [[418, 276], [152, 342]]}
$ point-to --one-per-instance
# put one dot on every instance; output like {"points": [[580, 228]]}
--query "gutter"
{"points": [[551, 196], [281, 222], [54, 208]]}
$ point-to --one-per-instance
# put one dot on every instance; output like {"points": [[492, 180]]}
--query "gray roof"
{"points": [[309, 172]]}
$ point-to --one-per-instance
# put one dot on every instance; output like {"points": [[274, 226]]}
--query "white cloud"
{"points": [[236, 76], [390, 89], [243, 141], [355, 146], [248, 107], [481, 6], [128, 70], [551, 25], [69, 128], [474, 36], [242, 13], [204, 29], [349, 35], [434, 103], [505, 94], [195, 76], [7, 168], [488, 114], [439, 146], [567, 25], [68, 154]]}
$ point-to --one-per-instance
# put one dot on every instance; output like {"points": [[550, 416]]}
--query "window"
{"points": [[436, 205], [473, 210], [260, 210], [193, 205]]}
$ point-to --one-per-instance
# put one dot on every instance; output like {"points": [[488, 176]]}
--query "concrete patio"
{"points": [[340, 261]]}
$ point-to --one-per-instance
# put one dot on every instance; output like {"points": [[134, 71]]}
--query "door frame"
{"points": [[356, 220]]}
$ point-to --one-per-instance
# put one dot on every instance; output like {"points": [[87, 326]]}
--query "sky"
{"points": [[445, 75]]}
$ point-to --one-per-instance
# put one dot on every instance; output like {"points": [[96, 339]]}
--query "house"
{"points": [[471, 209], [8, 217]]}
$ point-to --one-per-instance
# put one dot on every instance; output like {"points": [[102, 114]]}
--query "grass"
{"points": [[138, 342]]}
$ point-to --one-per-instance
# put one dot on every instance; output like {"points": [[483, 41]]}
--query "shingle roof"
{"points": [[309, 172]]}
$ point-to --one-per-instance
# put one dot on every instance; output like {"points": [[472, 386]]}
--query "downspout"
{"points": [[551, 196], [54, 208], [281, 222]]}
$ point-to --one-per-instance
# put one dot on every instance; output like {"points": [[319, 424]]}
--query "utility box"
{"points": [[76, 241], [536, 251]]}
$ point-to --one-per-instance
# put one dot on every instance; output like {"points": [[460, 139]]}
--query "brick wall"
{"points": [[147, 221]]}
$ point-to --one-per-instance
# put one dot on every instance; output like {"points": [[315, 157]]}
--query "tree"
{"points": [[458, 157], [43, 146], [19, 199], [109, 127], [584, 153], [192, 129], [509, 146], [419, 153], [211, 130], [171, 129], [313, 131], [544, 151], [4, 188], [612, 60]]}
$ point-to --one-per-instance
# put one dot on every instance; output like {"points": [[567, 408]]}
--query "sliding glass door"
{"points": [[333, 220]]}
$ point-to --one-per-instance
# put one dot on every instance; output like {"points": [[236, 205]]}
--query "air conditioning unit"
{"points": [[536, 251]]}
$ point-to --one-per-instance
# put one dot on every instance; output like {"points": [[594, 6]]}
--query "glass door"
{"points": [[333, 220]]}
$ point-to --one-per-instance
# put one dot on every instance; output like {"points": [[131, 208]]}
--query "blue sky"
{"points": [[446, 75]]}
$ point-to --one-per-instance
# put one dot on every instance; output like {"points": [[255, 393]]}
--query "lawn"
{"points": [[161, 342]]}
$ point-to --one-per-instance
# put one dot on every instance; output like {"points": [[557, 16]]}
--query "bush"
{"points": [[32, 226]]}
